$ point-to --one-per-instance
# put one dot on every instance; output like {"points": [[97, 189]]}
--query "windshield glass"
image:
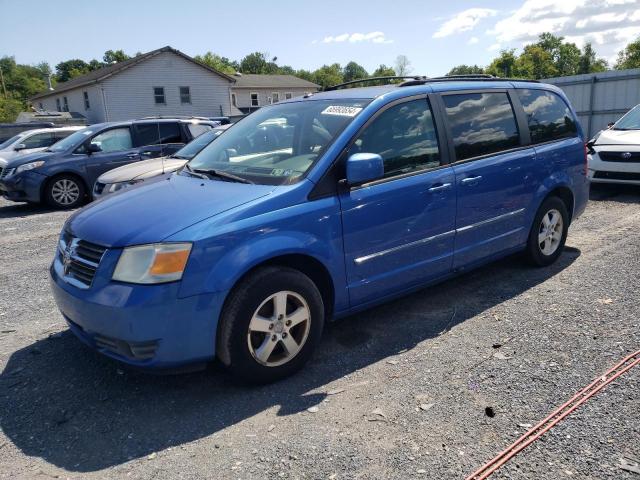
{"points": [[277, 144], [71, 141], [194, 146], [8, 143], [631, 121]]}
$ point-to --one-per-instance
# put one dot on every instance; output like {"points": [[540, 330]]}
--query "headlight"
{"points": [[154, 263], [114, 187], [29, 166]]}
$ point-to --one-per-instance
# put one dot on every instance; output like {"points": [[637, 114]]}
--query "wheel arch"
{"points": [[45, 184], [565, 194]]}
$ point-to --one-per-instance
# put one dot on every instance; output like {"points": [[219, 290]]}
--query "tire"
{"points": [[255, 336], [553, 230], [65, 192]]}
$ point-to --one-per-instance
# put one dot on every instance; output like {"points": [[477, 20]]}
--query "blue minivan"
{"points": [[315, 208]]}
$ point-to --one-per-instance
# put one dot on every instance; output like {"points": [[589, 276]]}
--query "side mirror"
{"points": [[93, 148], [20, 146], [364, 167], [610, 125]]}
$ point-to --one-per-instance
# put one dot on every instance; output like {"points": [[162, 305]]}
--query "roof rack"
{"points": [[372, 79], [174, 117], [478, 77]]}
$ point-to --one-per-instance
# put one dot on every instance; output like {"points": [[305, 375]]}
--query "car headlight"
{"points": [[153, 263], [29, 166], [114, 187]]}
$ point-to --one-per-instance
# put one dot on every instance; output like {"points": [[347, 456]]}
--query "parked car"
{"points": [[8, 130], [136, 173], [63, 174], [379, 191], [31, 141], [614, 154]]}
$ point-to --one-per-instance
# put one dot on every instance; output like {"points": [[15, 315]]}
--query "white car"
{"points": [[31, 141], [614, 154]]}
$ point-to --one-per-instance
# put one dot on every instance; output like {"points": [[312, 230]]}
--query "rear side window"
{"points": [[147, 134], [170, 133], [548, 116], [404, 136], [481, 123]]}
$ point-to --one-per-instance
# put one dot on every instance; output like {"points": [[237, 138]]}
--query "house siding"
{"points": [[243, 94], [75, 97]]}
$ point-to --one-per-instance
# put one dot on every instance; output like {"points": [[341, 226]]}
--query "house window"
{"points": [[87, 105], [158, 95], [66, 104], [185, 95], [254, 100], [58, 107], [275, 97], [288, 96], [233, 100]]}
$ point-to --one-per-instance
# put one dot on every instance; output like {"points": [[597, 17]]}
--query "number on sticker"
{"points": [[342, 111]]}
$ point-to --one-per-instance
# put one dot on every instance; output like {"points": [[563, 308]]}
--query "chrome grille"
{"points": [[80, 259], [632, 157], [6, 172]]}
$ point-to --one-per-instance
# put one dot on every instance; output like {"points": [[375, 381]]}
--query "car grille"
{"points": [[98, 188], [617, 175], [80, 259], [6, 172], [631, 157]]}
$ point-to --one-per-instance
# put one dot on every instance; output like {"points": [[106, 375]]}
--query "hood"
{"points": [[152, 212], [30, 157], [618, 137], [142, 169]]}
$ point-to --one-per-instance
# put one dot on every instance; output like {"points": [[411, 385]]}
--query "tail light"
{"points": [[587, 151]]}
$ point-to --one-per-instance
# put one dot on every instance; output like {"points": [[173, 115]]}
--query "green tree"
{"points": [[215, 61], [629, 57], [115, 56], [504, 65], [568, 61], [403, 66], [305, 75], [10, 108], [328, 75], [466, 70], [255, 62], [383, 71], [354, 71], [64, 69], [535, 62], [589, 62]]}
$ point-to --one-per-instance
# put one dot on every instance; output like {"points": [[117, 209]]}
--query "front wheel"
{"points": [[64, 192], [548, 233], [271, 324]]}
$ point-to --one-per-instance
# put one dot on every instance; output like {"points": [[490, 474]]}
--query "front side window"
{"points": [[277, 144], [39, 140], [170, 132], [185, 95], [481, 123], [548, 116], [147, 133], [87, 105], [114, 140], [158, 95], [404, 136], [254, 100]]}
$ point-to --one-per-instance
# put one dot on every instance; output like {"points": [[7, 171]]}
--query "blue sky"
{"points": [[434, 35]]}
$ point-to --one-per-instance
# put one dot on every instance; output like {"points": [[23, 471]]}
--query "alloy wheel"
{"points": [[65, 192], [550, 232]]}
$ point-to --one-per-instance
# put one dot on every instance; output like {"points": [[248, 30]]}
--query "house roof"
{"points": [[251, 80], [96, 76]]}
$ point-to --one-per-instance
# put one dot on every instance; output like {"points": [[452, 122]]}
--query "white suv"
{"points": [[31, 141], [614, 154]]}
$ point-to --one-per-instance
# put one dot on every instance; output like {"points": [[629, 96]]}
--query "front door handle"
{"points": [[441, 187], [471, 180], [133, 155]]}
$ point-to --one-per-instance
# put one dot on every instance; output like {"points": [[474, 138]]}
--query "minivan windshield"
{"points": [[194, 146], [71, 141], [631, 121], [277, 144]]}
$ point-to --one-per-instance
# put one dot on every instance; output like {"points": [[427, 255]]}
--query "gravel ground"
{"points": [[401, 391]]}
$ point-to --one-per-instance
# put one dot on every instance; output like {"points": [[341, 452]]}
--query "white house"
{"points": [[161, 82], [251, 91]]}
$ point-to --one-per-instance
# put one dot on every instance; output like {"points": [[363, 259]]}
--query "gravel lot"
{"points": [[509, 337]]}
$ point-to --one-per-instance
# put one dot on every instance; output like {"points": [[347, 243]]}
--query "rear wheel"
{"points": [[270, 325], [548, 233], [64, 192]]}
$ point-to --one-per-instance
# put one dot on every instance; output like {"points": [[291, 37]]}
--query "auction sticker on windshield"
{"points": [[341, 111]]}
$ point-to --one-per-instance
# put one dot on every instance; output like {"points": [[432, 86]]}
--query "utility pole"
{"points": [[4, 88]]}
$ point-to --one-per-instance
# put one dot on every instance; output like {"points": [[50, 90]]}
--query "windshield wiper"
{"points": [[194, 173], [221, 174]]}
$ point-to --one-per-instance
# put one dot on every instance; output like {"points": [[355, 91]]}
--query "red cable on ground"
{"points": [[556, 416]]}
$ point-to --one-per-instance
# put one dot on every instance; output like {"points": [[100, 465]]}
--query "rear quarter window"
{"points": [[548, 116], [481, 123]]}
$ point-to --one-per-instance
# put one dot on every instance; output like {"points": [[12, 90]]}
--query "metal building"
{"points": [[600, 98]]}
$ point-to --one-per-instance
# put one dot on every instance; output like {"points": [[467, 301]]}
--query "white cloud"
{"points": [[473, 41], [608, 24], [463, 21], [373, 37], [494, 47]]}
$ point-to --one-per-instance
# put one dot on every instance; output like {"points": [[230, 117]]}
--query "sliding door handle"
{"points": [[440, 188]]}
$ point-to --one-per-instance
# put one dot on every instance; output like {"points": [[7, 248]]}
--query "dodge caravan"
{"points": [[355, 197]]}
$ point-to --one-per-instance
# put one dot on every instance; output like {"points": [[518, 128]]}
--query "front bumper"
{"points": [[613, 172], [146, 326], [23, 187]]}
